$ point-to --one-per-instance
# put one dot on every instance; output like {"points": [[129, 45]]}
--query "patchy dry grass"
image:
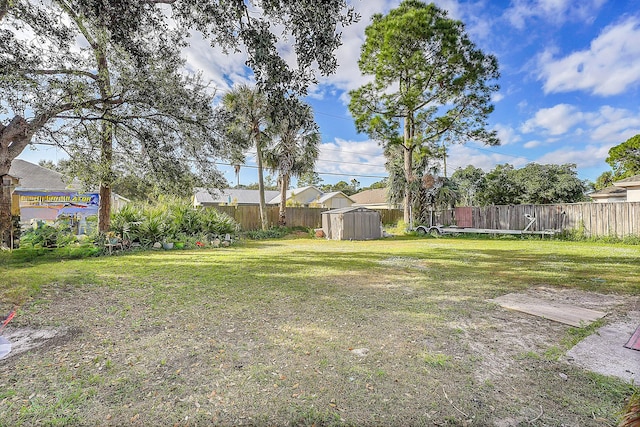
{"points": [[311, 332]]}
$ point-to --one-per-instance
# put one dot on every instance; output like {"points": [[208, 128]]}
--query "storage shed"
{"points": [[352, 223]]}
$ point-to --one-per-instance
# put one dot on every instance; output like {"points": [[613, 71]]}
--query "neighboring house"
{"points": [[230, 196], [302, 197], [625, 190], [609, 195], [632, 187], [373, 199], [334, 200], [41, 194]]}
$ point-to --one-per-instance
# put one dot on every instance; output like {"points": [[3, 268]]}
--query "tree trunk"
{"points": [[106, 139], [106, 160], [282, 215], [408, 167], [263, 204], [5, 197], [5, 211], [14, 137]]}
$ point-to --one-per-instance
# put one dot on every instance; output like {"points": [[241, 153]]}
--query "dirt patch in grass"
{"points": [[294, 341]]}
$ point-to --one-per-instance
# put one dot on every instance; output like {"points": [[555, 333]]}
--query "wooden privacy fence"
{"points": [[249, 216], [595, 219]]}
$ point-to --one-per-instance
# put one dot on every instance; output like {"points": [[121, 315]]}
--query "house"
{"points": [[230, 196], [625, 190], [299, 197], [374, 199], [334, 200], [309, 196], [41, 194], [609, 195], [632, 187]]}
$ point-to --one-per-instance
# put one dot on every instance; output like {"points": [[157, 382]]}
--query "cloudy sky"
{"points": [[570, 74]]}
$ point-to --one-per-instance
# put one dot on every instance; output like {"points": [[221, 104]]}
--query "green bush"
{"points": [[48, 236], [272, 233], [170, 220]]}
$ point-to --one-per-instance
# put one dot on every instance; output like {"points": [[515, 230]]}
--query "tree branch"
{"points": [[61, 71]]}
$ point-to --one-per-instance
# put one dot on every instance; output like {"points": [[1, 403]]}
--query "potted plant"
{"points": [[112, 239]]}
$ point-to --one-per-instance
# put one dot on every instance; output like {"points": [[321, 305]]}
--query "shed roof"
{"points": [[34, 177], [348, 209]]}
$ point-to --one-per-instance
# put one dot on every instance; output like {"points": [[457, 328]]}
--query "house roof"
{"points": [[607, 192], [632, 181], [276, 200], [231, 195], [331, 195], [370, 197], [34, 177]]}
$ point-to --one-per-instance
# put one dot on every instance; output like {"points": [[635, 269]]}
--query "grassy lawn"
{"points": [[311, 332]]}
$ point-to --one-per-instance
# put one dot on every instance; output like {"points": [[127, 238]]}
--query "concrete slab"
{"points": [[604, 351]]}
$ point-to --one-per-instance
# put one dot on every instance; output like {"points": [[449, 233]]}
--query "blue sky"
{"points": [[570, 77]]}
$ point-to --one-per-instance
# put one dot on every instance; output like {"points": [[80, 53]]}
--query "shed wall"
{"points": [[356, 225]]}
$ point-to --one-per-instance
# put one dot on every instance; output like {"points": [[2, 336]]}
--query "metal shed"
{"points": [[352, 223]]}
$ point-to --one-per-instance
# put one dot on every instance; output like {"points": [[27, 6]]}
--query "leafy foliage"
{"points": [[246, 116], [625, 158], [126, 83], [47, 236], [170, 219], [469, 183], [604, 180], [532, 184], [295, 148]]}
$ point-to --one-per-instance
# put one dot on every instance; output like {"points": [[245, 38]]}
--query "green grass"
{"points": [[260, 333]]}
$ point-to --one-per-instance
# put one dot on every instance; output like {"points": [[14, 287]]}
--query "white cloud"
{"points": [[507, 134], [497, 97], [552, 11], [556, 120], [613, 125], [590, 155], [610, 66], [607, 125], [532, 144], [351, 157], [222, 70], [460, 156]]}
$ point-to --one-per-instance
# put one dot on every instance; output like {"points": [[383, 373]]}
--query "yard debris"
{"points": [[361, 352], [451, 403]]}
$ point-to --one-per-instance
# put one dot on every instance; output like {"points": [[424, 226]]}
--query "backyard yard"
{"points": [[313, 332]]}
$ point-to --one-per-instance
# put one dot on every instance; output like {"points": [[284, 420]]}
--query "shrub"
{"points": [[272, 233], [48, 236], [170, 219]]}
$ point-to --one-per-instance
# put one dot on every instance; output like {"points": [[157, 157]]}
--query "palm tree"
{"points": [[249, 112], [295, 149]]}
